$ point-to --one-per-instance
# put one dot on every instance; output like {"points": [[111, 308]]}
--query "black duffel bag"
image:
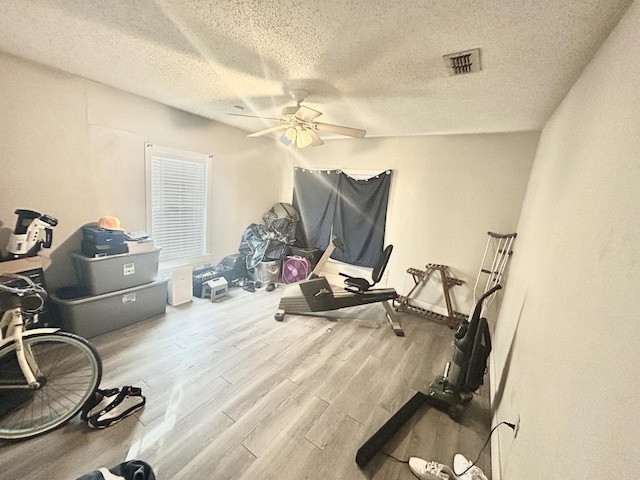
{"points": [[233, 268]]}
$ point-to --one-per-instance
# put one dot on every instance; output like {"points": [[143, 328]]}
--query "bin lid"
{"points": [[72, 292]]}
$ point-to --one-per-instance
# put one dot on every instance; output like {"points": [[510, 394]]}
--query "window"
{"points": [[177, 201]]}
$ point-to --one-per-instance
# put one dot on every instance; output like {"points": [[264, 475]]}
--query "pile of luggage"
{"points": [[270, 240], [268, 253]]}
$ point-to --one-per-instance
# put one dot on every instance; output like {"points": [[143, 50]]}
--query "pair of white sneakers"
{"points": [[437, 471]]}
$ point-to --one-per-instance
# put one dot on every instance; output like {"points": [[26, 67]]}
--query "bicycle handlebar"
{"points": [[31, 285], [31, 298]]}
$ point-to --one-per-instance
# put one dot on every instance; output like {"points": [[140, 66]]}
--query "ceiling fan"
{"points": [[299, 125]]}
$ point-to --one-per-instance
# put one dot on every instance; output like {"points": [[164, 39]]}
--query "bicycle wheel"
{"points": [[70, 370]]}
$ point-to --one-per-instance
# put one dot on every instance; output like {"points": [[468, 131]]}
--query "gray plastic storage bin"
{"points": [[91, 316], [115, 272]]}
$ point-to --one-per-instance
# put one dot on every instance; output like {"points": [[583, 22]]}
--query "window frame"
{"points": [[153, 150]]}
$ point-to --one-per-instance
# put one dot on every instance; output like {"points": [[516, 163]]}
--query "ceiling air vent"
{"points": [[461, 63]]}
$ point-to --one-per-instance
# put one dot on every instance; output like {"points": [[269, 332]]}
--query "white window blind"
{"points": [[178, 201]]}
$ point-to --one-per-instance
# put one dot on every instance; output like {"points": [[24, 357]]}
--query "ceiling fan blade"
{"points": [[253, 116], [316, 139], [289, 111], [259, 133], [307, 114], [340, 130]]}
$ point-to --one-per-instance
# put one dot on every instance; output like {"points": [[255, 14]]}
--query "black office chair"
{"points": [[358, 285]]}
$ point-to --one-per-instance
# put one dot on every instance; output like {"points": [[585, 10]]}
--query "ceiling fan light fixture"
{"points": [[291, 133], [304, 139], [300, 125]]}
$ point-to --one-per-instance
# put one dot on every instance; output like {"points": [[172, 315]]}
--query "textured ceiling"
{"points": [[371, 64]]}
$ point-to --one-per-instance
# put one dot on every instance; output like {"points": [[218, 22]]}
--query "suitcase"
{"points": [[100, 236], [235, 261], [90, 249], [233, 268], [313, 254]]}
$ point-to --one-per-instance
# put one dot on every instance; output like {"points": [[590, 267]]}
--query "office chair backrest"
{"points": [[378, 270]]}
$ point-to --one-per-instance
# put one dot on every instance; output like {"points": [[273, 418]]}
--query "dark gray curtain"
{"points": [[331, 202], [314, 197]]}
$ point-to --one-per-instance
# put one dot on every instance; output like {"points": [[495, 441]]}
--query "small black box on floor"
{"points": [[100, 236], [90, 249]]}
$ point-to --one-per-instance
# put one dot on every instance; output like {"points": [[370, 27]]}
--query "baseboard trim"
{"points": [[496, 464]]}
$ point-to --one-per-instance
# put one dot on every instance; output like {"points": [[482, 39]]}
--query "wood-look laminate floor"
{"points": [[233, 394]]}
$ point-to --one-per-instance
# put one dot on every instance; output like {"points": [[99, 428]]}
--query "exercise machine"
{"points": [[450, 391], [316, 294]]}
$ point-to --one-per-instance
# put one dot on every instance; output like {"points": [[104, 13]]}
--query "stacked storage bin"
{"points": [[122, 289]]}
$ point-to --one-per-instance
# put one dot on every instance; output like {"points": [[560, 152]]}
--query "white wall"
{"points": [[75, 149], [566, 345], [446, 194]]}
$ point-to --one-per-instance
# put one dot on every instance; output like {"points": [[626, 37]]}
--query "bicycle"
{"points": [[46, 375]]}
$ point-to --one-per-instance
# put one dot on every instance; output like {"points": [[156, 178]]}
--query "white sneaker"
{"points": [[460, 464], [430, 470], [127, 401]]}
